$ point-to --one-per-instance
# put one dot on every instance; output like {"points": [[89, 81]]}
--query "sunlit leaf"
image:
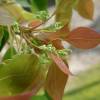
{"points": [[55, 83], [20, 75], [85, 8], [84, 38]]}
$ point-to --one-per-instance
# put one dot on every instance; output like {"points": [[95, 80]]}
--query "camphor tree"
{"points": [[35, 57]]}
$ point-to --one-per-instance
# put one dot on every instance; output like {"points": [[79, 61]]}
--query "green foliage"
{"points": [[38, 5], [1, 34], [54, 27], [16, 75], [42, 15], [4, 37], [9, 54], [39, 98], [64, 11]]}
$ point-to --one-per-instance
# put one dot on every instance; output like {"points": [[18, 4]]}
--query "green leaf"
{"points": [[41, 97], [83, 38], [10, 53], [1, 34], [64, 11], [42, 15], [22, 73], [38, 5], [16, 12], [4, 38]]}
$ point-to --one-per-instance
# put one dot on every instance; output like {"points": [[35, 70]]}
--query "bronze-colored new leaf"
{"points": [[85, 8], [55, 83], [61, 33], [25, 96], [84, 38], [55, 37], [35, 23], [60, 63]]}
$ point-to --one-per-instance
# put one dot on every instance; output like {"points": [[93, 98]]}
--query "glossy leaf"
{"points": [[64, 11], [22, 74], [55, 83], [84, 38], [85, 8]]}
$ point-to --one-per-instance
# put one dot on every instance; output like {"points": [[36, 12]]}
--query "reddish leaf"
{"points": [[83, 38], [58, 44], [55, 83], [35, 23], [54, 37], [25, 96], [50, 36], [59, 34], [60, 63]]}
